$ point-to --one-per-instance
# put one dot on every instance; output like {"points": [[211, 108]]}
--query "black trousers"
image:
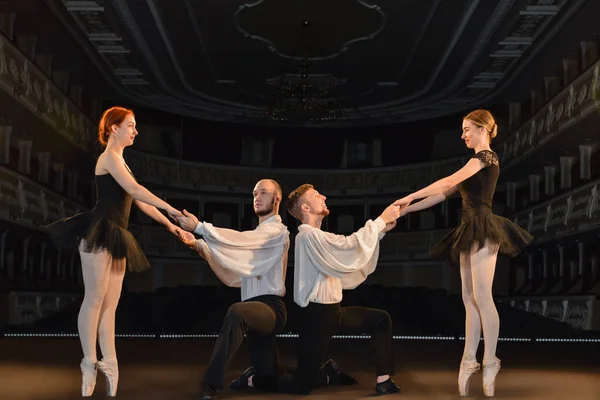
{"points": [[319, 323], [259, 319]]}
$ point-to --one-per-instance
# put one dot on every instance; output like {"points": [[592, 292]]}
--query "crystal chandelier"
{"points": [[303, 96]]}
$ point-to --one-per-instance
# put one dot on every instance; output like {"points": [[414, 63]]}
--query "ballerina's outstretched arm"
{"points": [[442, 185], [428, 202]]}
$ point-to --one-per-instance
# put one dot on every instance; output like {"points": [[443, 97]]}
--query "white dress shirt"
{"points": [[326, 263], [254, 260]]}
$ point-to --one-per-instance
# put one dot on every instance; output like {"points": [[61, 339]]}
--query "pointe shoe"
{"points": [[110, 369], [468, 367], [490, 370], [89, 371]]}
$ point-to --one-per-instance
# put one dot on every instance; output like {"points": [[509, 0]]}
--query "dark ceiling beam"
{"points": [[540, 10], [482, 85], [127, 72], [489, 75], [134, 81], [516, 41], [507, 53], [88, 6], [486, 80], [112, 49], [101, 37]]}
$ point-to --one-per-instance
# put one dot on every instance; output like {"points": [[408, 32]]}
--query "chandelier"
{"points": [[303, 96]]}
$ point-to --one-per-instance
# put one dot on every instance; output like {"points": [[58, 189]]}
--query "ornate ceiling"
{"points": [[391, 60]]}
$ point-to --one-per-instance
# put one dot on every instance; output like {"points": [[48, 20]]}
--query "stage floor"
{"points": [[165, 369]]}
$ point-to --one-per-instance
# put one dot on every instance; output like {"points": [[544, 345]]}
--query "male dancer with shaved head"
{"points": [[256, 261]]}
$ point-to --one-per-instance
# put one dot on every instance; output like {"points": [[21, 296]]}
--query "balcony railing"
{"points": [[573, 103], [26, 202], [570, 213], [28, 85], [210, 177]]}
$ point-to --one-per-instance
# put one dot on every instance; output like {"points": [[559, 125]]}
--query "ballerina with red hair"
{"points": [[106, 247]]}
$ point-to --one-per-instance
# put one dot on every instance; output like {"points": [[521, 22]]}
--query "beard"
{"points": [[267, 210], [324, 212]]}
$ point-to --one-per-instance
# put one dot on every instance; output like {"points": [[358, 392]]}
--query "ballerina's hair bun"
{"points": [[484, 119], [112, 116]]}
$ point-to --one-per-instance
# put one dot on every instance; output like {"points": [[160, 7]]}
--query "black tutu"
{"points": [[99, 233], [476, 231]]}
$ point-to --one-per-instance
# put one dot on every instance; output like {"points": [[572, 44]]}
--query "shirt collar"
{"points": [[274, 218]]}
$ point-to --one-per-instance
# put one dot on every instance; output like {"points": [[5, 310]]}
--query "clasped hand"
{"points": [[391, 214], [187, 224]]}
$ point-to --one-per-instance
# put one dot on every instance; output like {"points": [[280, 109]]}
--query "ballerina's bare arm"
{"points": [[153, 213], [110, 162], [429, 201], [445, 184]]}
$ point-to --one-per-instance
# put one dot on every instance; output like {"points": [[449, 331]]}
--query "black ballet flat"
{"points": [[386, 387], [241, 382]]}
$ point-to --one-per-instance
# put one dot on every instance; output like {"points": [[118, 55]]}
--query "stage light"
{"points": [[295, 336]]}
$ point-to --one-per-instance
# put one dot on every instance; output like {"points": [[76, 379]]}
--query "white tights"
{"points": [[477, 275], [103, 280]]}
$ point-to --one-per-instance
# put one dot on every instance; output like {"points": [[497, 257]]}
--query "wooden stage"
{"points": [[165, 369]]}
